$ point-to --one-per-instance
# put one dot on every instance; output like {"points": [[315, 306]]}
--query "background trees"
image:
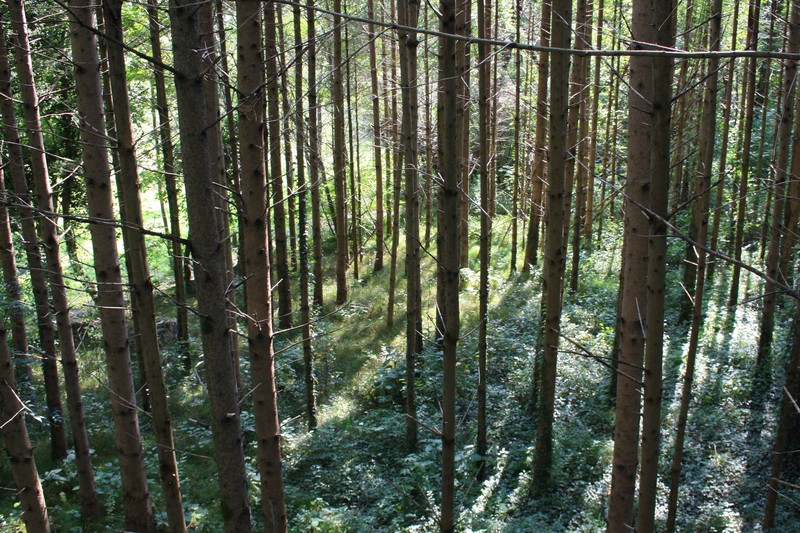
{"points": [[335, 131]]}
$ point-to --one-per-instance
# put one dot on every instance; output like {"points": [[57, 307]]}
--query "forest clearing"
{"points": [[399, 266]]}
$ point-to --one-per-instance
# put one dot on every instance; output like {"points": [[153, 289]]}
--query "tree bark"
{"points": [[314, 157], [168, 160], [662, 70], [139, 273], [339, 157], [408, 15], [276, 177], [250, 83], [555, 249], [632, 320], [540, 146], [17, 444], [753, 19], [449, 255], [302, 227], [211, 281], [48, 234], [110, 298]]}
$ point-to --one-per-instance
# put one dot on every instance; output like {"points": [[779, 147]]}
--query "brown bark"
{"points": [[110, 299], [408, 15], [314, 158], [656, 269], [48, 234], [540, 147], [486, 230], [17, 444], [276, 185], [700, 223], [632, 320], [211, 281], [302, 230], [257, 273], [753, 18], [555, 249], [339, 156], [449, 255], [168, 160], [781, 166], [376, 137], [139, 271]]}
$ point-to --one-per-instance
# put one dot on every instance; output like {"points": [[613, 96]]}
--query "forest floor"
{"points": [[351, 473]]}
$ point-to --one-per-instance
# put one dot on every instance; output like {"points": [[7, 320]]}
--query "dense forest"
{"points": [[400, 266]]}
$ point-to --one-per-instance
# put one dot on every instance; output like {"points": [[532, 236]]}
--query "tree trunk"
{"points": [[449, 256], [302, 226], [700, 223], [48, 235], [168, 160], [17, 444], [376, 137], [723, 153], [781, 166], [257, 279], [486, 231], [753, 18], [314, 157], [540, 139], [656, 266], [408, 15], [631, 322], [139, 273], [339, 157], [555, 248], [211, 285], [110, 298], [276, 178]]}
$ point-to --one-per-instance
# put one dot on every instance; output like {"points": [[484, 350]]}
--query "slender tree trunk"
{"points": [[700, 222], [48, 235], [211, 286], [15, 437], [540, 146], [463, 27], [313, 156], [376, 137], [339, 157], [449, 256], [110, 298], [139, 273], [595, 116], [302, 226], [276, 177], [632, 322], [217, 159], [257, 280], [12, 294], [555, 248], [656, 267], [408, 15], [168, 158], [291, 200], [781, 166], [744, 167], [518, 163], [486, 232], [788, 422], [723, 154], [580, 69]]}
